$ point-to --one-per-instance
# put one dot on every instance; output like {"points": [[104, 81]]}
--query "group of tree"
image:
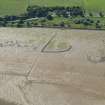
{"points": [[100, 14], [84, 21], [37, 11], [43, 11], [49, 13]]}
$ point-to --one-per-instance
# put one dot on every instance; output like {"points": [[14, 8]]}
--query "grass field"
{"points": [[94, 5], [8, 7]]}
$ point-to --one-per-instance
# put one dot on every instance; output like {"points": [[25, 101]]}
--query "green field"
{"points": [[10, 7], [94, 5]]}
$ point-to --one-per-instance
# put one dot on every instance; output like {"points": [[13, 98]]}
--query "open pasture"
{"points": [[14, 7]]}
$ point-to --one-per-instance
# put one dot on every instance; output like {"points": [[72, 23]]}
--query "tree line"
{"points": [[50, 13], [37, 11]]}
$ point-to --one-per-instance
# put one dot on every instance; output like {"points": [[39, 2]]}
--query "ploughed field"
{"points": [[52, 67]]}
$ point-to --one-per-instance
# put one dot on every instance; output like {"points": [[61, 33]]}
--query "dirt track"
{"points": [[37, 69]]}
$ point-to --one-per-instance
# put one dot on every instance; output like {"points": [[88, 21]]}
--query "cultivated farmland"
{"points": [[36, 68]]}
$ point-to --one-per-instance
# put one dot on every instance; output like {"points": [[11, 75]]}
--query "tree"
{"points": [[101, 14], [28, 24], [90, 14], [62, 24], [4, 23], [98, 25], [20, 23], [49, 17]]}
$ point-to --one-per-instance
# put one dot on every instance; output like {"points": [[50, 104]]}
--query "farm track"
{"points": [[59, 51], [43, 49]]}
